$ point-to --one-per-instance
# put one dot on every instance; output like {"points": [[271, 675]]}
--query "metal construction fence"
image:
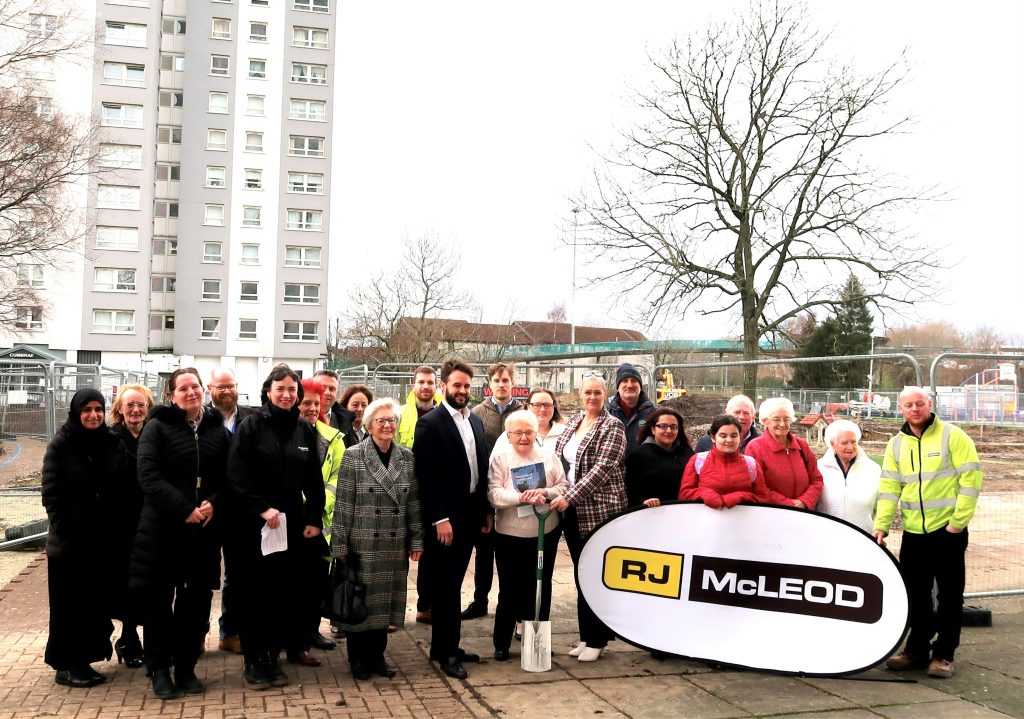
{"points": [[34, 398]]}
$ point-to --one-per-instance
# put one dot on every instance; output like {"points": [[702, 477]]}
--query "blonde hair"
{"points": [[115, 415]]}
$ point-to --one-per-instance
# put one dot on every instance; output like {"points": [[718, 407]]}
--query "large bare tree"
{"points": [[745, 191], [44, 154]]}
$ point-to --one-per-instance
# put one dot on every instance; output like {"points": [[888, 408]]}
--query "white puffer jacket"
{"points": [[854, 496]]}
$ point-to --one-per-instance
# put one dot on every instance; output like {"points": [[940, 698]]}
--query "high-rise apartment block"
{"points": [[211, 195]]}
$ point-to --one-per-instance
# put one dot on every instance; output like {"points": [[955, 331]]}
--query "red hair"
{"points": [[311, 386]]}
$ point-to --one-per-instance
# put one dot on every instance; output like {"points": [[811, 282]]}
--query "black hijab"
{"points": [[91, 444]]}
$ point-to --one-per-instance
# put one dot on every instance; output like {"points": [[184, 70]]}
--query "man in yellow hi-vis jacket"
{"points": [[932, 473]]}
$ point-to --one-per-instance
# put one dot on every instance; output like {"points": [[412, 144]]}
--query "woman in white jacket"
{"points": [[851, 477]]}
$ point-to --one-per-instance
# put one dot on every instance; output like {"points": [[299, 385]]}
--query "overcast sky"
{"points": [[477, 122]]}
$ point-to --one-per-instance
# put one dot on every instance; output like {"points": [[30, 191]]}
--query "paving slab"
{"points": [[663, 697], [767, 694], [954, 709], [875, 689], [559, 699]]}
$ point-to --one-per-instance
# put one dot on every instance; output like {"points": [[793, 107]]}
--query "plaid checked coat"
{"points": [[377, 517], [599, 490]]}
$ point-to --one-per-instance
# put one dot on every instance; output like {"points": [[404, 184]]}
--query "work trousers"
{"points": [[592, 630], [936, 557]]}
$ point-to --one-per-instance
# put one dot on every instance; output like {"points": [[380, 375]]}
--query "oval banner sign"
{"points": [[757, 586]]}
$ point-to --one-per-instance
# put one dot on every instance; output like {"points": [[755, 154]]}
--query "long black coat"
{"points": [[655, 473], [178, 470], [274, 463], [77, 468], [123, 501]]}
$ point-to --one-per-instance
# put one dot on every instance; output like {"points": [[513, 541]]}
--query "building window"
{"points": [[254, 142], [303, 331], [113, 321], [218, 102], [250, 254], [221, 28], [253, 179], [212, 252], [312, 5], [220, 65], [119, 73], [302, 294], [310, 220], [296, 256], [168, 172], [168, 134], [114, 279], [302, 146], [172, 61], [41, 25], [246, 329], [43, 107], [216, 139], [30, 275], [28, 318], [171, 98], [258, 31], [119, 33], [117, 238], [213, 215], [257, 69], [211, 290], [173, 26], [250, 292], [216, 176], [251, 216], [131, 3], [309, 37], [308, 110], [118, 197], [254, 105], [306, 182], [210, 328], [309, 74], [260, 3], [41, 68], [165, 246], [123, 156], [165, 209], [161, 321], [121, 115], [162, 283]]}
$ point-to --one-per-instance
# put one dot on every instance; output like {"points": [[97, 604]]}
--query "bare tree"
{"points": [[44, 154], [390, 316], [747, 187]]}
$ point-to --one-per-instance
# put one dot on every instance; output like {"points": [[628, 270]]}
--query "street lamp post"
{"points": [[572, 295]]}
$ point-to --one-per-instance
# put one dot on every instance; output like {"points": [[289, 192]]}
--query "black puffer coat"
{"points": [[274, 463], [178, 470], [653, 472], [123, 500]]}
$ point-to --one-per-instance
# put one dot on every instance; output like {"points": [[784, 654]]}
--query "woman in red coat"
{"points": [[789, 466], [722, 477]]}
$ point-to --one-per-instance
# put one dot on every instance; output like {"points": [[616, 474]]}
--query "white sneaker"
{"points": [[590, 654], [578, 650]]}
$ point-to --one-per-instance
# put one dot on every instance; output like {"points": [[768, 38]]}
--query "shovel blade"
{"points": [[536, 655]]}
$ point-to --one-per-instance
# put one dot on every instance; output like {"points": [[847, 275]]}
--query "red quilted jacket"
{"points": [[724, 480]]}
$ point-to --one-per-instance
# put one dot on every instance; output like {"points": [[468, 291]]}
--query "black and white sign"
{"points": [[757, 586]]}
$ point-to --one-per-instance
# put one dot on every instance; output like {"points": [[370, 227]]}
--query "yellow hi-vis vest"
{"points": [[934, 480], [407, 421], [330, 468]]}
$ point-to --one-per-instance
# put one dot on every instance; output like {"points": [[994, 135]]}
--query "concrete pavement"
{"points": [[626, 682]]}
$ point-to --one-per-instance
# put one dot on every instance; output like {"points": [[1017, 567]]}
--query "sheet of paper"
{"points": [[274, 540]]}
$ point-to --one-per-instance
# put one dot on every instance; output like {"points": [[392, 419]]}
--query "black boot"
{"points": [[253, 673], [273, 671], [186, 680], [163, 687], [79, 677], [129, 651]]}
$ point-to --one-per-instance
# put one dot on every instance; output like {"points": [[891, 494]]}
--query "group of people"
{"points": [[144, 509]]}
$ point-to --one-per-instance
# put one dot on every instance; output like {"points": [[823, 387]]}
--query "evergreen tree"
{"points": [[847, 333]]}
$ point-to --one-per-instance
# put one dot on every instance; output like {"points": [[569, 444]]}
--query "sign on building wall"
{"points": [[761, 587]]}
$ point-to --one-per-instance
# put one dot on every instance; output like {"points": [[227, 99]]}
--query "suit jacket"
{"points": [[341, 419], [443, 473], [243, 412]]}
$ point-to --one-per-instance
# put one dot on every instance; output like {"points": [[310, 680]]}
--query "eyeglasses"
{"points": [[778, 420], [593, 373], [382, 421], [135, 405], [667, 427], [517, 433], [224, 386], [542, 405]]}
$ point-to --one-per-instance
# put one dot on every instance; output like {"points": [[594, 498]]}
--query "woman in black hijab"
{"points": [[82, 459]]}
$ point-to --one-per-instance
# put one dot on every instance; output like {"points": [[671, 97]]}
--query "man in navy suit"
{"points": [[451, 469]]}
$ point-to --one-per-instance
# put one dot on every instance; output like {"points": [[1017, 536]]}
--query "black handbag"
{"points": [[345, 602]]}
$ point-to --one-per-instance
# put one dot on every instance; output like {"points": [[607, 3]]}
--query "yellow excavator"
{"points": [[666, 388]]}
